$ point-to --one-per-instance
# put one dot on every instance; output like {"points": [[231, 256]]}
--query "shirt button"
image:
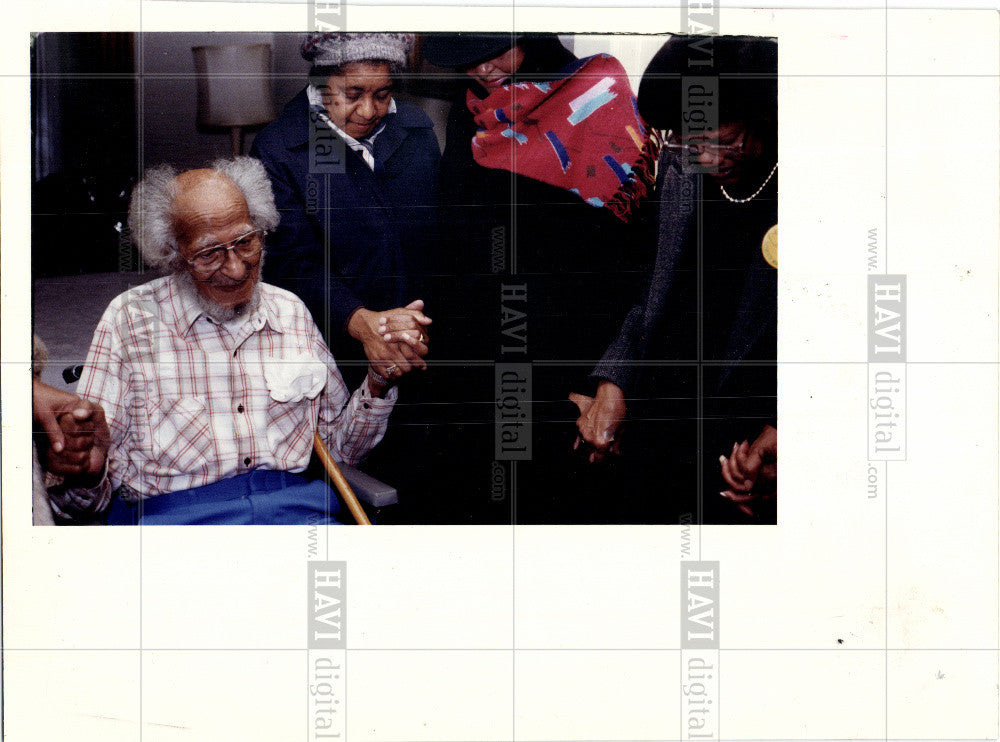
{"points": [[246, 461], [240, 408]]}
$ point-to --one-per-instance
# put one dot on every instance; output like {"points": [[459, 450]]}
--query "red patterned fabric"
{"points": [[581, 132]]}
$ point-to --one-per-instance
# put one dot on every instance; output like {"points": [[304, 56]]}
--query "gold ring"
{"points": [[391, 370]]}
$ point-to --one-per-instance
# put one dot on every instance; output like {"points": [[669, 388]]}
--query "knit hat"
{"points": [[338, 49]]}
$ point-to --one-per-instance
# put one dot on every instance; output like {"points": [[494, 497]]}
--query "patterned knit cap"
{"points": [[337, 49]]}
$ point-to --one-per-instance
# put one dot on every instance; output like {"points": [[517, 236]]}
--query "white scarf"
{"points": [[364, 147]]}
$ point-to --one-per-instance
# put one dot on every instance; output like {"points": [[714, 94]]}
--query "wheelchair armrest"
{"points": [[369, 490]]}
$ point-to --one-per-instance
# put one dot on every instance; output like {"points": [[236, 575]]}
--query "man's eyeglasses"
{"points": [[694, 148], [246, 247]]}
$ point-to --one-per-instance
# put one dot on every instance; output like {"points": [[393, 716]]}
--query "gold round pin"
{"points": [[769, 246]]}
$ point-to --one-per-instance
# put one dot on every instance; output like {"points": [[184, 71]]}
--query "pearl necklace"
{"points": [[755, 193]]}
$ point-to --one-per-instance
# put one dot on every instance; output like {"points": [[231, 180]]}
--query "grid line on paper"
{"points": [[513, 464], [140, 154], [499, 649], [172, 76], [742, 739], [885, 264], [646, 363], [513, 599], [758, 364], [699, 443], [654, 363], [590, 6]]}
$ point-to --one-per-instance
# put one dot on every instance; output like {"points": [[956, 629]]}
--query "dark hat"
{"points": [[744, 88], [463, 50]]}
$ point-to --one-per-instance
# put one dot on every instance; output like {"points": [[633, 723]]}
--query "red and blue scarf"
{"points": [[581, 132]]}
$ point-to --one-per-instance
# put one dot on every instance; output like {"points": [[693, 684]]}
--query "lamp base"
{"points": [[236, 139]]}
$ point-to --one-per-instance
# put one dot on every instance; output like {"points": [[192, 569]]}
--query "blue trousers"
{"points": [[257, 498]]}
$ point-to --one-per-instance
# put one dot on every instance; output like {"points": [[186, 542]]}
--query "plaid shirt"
{"points": [[190, 401]]}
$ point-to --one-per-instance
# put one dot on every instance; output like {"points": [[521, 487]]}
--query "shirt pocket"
{"points": [[180, 434], [290, 428]]}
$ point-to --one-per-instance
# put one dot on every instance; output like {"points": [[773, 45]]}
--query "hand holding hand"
{"points": [[77, 432], [751, 470], [600, 420], [406, 325], [395, 341]]}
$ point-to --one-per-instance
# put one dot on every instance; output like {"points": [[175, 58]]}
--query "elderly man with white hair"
{"points": [[213, 384]]}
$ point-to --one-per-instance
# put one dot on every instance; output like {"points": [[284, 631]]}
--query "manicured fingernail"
{"points": [[722, 459], [57, 447]]}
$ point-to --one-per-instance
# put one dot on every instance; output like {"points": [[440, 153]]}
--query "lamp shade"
{"points": [[234, 85]]}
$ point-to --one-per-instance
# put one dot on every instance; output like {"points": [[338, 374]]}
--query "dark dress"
{"points": [[579, 268], [697, 354]]}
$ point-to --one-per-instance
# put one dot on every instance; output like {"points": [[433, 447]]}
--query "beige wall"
{"points": [[167, 99]]}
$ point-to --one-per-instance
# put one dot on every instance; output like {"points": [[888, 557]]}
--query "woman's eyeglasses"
{"points": [[695, 148], [247, 247]]}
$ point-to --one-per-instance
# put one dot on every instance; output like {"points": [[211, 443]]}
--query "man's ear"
{"points": [[176, 263]]}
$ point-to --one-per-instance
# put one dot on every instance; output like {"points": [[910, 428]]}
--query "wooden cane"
{"points": [[338, 479]]}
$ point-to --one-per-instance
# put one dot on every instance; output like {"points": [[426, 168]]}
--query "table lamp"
{"points": [[234, 88]]}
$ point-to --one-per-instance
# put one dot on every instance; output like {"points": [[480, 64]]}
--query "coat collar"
{"points": [[297, 124]]}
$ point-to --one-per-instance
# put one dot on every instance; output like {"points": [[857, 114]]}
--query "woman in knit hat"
{"points": [[354, 173]]}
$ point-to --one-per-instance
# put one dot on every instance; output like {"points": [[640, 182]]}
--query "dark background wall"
{"points": [[108, 106]]}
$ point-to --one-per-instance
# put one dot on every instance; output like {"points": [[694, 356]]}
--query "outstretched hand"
{"points": [[78, 436], [600, 422]]}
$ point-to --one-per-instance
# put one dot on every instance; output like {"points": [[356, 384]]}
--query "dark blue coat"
{"points": [[350, 237]]}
